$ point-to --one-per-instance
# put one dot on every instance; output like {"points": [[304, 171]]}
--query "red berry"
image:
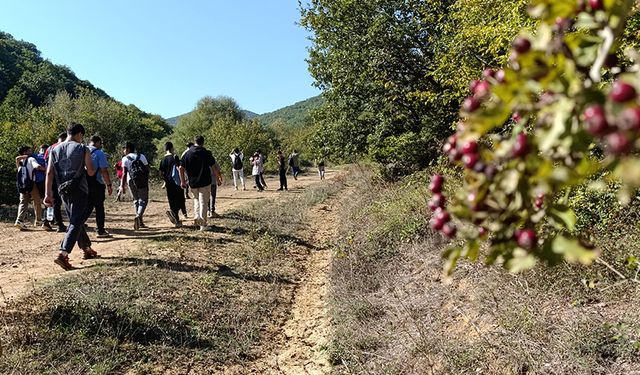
{"points": [[488, 73], [521, 45], [619, 143], [436, 183], [432, 205], [482, 89], [622, 92], [474, 204], [470, 147], [539, 201], [516, 117], [447, 148], [595, 4], [595, 119], [500, 76], [452, 140], [442, 215], [630, 119], [470, 160], [449, 230], [437, 200], [521, 147], [436, 224], [526, 238], [473, 85], [470, 104]]}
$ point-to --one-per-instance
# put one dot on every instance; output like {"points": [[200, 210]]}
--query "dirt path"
{"points": [[26, 258]]}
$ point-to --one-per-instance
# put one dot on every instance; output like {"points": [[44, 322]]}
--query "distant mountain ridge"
{"points": [[291, 115]]}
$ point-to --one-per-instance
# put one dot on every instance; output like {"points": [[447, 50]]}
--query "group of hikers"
{"points": [[69, 173]]}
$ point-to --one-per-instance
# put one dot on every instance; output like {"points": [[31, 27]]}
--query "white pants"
{"points": [[201, 198], [238, 174]]}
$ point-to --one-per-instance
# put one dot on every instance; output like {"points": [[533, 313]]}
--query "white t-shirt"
{"points": [[31, 164], [128, 159]]}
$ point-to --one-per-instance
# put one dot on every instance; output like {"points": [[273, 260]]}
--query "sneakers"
{"points": [[214, 215], [198, 222], [61, 229], [20, 225], [46, 226], [209, 214], [89, 253], [172, 218], [142, 225], [179, 224], [279, 189], [63, 261], [236, 188], [103, 234], [136, 223]]}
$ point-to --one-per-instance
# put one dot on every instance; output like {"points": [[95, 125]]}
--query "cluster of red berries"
{"points": [[441, 220], [618, 132]]}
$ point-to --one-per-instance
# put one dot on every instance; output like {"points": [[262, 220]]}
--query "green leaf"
{"points": [[562, 217], [572, 250], [521, 261]]}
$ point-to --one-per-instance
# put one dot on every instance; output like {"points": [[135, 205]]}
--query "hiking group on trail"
{"points": [[77, 176]]}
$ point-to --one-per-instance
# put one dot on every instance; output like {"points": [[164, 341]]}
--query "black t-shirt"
{"points": [[282, 163], [166, 167], [198, 162]]}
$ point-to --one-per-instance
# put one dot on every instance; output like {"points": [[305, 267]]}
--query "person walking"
{"points": [[170, 171], [196, 171], [98, 184], [186, 190], [294, 163], [214, 190], [119, 172], [136, 174], [237, 169], [27, 166], [282, 170], [256, 162], [39, 178], [57, 200], [70, 163], [263, 160], [320, 164]]}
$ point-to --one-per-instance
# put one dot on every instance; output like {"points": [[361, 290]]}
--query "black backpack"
{"points": [[237, 163], [139, 173], [24, 183]]}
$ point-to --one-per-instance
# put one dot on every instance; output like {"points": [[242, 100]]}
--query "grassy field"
{"points": [[394, 314], [182, 301]]}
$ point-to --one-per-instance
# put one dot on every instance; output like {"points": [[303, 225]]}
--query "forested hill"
{"points": [[27, 79], [173, 121], [293, 115], [38, 99]]}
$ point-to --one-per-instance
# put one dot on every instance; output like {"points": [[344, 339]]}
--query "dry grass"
{"points": [[395, 315], [180, 302]]}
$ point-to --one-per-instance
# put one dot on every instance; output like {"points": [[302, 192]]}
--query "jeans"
{"points": [[57, 205], [283, 179], [140, 198], [97, 197], [238, 174], [258, 183], [295, 171], [76, 206], [201, 197], [262, 181]]}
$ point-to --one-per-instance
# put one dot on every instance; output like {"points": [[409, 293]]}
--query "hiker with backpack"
{"points": [[186, 190], [237, 159], [294, 163], [98, 183], [70, 163], [27, 165], [196, 170], [57, 201], [282, 171], [135, 171], [263, 160], [170, 172]]}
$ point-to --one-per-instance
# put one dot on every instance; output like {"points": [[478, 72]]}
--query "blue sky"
{"points": [[164, 55]]}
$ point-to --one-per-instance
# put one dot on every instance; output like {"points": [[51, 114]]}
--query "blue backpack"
{"points": [[39, 176], [175, 174]]}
